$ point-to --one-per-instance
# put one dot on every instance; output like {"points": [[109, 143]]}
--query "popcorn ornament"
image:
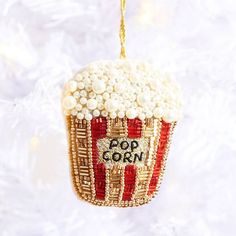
{"points": [[120, 117]]}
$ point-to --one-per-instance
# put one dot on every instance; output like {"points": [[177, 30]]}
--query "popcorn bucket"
{"points": [[118, 162], [120, 118]]}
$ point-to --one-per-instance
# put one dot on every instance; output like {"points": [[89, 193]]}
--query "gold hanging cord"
{"points": [[122, 29]]}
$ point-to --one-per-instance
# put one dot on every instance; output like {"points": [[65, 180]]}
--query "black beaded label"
{"points": [[122, 151]]}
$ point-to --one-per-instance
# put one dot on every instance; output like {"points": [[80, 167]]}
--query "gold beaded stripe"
{"points": [[122, 184], [149, 130], [115, 184], [117, 129], [108, 187], [73, 154], [107, 174], [82, 157], [148, 127], [165, 157], [140, 183]]}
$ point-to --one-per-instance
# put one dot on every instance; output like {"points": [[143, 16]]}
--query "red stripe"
{"points": [[129, 181], [98, 130], [134, 128], [134, 131], [165, 129]]}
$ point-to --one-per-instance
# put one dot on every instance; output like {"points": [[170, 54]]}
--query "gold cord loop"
{"points": [[122, 29]]}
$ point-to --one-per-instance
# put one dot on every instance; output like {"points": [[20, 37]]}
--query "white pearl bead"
{"points": [[83, 93], [111, 82], [83, 100], [96, 113], [69, 102], [114, 73], [121, 114], [158, 112], [93, 77], [132, 88], [76, 94], [143, 99], [154, 84], [85, 111], [99, 98], [139, 109], [169, 116], [148, 114], [111, 105], [114, 96], [131, 113], [88, 116], [78, 107], [121, 107], [80, 85], [98, 86], [127, 104], [80, 116], [106, 95], [141, 116], [72, 85], [113, 115], [87, 81], [100, 106], [79, 77], [151, 105], [104, 113], [109, 89], [92, 104]]}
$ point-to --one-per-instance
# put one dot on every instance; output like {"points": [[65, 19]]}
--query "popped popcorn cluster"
{"points": [[122, 88]]}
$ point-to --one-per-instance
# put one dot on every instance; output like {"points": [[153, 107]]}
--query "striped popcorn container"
{"points": [[118, 149]]}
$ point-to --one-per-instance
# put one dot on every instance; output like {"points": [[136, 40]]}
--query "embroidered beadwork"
{"points": [[117, 184]]}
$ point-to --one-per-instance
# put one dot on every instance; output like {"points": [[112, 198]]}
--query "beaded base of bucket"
{"points": [[118, 162]]}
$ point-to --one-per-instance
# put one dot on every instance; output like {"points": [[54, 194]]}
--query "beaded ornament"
{"points": [[120, 117]]}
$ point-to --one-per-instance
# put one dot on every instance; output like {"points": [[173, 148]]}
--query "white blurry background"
{"points": [[43, 42]]}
